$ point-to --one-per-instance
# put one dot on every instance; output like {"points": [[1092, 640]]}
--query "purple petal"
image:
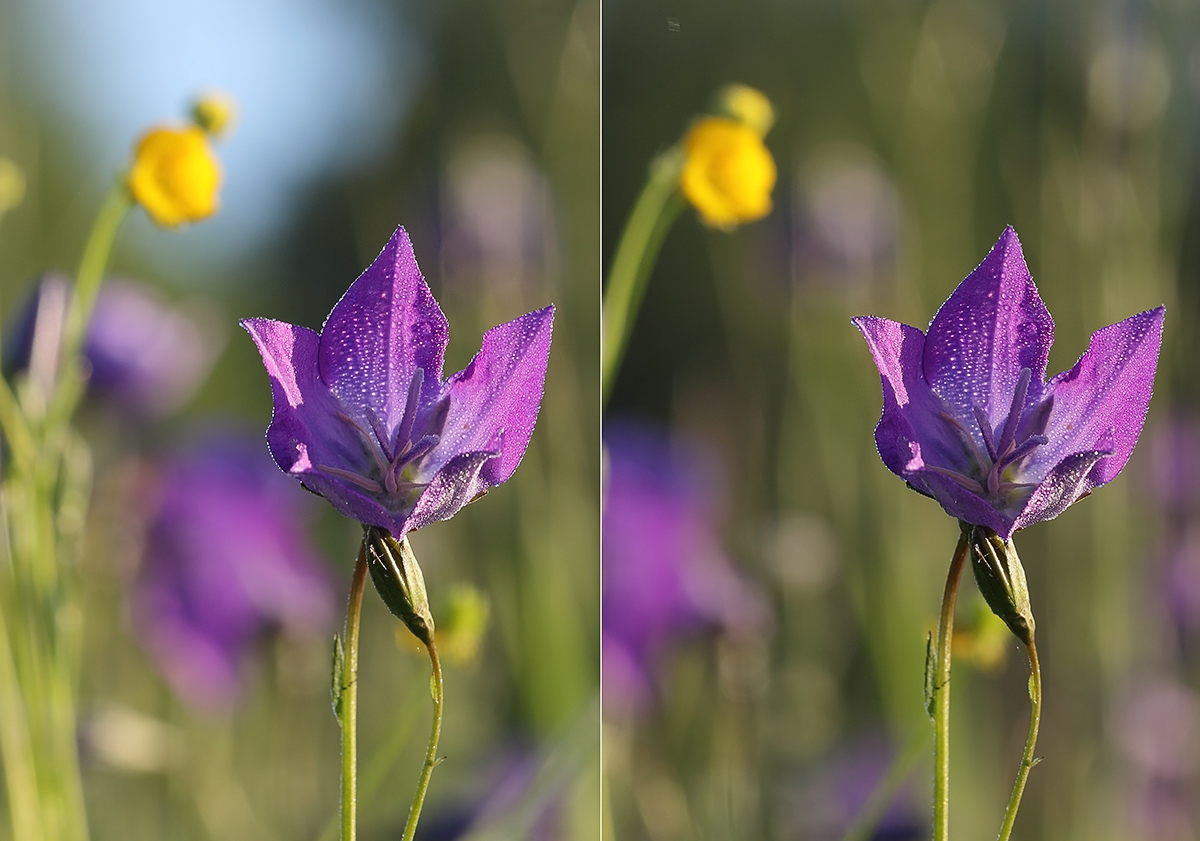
{"points": [[1106, 393], [1065, 484], [498, 395], [897, 350], [456, 484], [301, 433], [993, 325], [305, 432], [956, 500], [348, 499], [385, 327]]}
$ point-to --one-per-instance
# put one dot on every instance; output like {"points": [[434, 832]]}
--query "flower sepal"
{"points": [[1001, 580], [399, 582]]}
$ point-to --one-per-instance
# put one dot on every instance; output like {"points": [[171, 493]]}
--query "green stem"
{"points": [[87, 285], [16, 429], [655, 210], [431, 760], [347, 706], [16, 748], [941, 695], [1027, 760]]}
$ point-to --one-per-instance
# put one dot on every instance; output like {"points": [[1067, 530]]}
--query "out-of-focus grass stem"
{"points": [[88, 278], [16, 747], [657, 207]]}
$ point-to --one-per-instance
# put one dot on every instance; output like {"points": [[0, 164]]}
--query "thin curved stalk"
{"points": [[1027, 760], [431, 760]]}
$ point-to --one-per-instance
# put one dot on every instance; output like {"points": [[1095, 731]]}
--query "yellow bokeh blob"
{"points": [[175, 175], [728, 174]]}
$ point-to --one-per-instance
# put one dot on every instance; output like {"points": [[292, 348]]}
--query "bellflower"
{"points": [[224, 561], [146, 358], [665, 573], [363, 418], [969, 418]]}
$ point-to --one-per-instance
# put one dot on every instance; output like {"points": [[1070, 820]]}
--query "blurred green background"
{"points": [[909, 134], [476, 126]]}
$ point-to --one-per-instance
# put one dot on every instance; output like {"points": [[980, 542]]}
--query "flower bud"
{"points": [[12, 185], [214, 112], [728, 174], [749, 106], [175, 175], [1001, 580], [399, 582]]}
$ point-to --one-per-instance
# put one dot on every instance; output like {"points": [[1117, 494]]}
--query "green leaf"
{"points": [[337, 688], [930, 674]]}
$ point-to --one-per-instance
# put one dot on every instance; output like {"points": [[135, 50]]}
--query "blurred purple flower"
{"points": [[497, 217], [1174, 463], [507, 794], [363, 418], [147, 358], [1181, 578], [665, 574], [146, 355], [1155, 724], [825, 806], [969, 419], [225, 560], [847, 218]]}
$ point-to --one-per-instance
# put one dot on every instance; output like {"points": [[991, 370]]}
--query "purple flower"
{"points": [[146, 357], [665, 574], [833, 795], [363, 418], [969, 419], [1174, 464], [224, 561]]}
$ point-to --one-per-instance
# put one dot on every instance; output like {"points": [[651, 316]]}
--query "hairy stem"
{"points": [[347, 702], [941, 695]]}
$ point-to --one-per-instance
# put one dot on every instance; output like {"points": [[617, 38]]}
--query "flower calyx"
{"points": [[399, 581], [1001, 579]]}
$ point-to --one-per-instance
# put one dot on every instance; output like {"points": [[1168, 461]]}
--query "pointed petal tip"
{"points": [[1010, 243]]}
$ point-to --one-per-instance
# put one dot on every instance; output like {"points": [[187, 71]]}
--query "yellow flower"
{"points": [[175, 175], [727, 173]]}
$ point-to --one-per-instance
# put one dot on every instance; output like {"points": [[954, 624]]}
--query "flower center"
{"points": [[998, 464], [393, 457]]}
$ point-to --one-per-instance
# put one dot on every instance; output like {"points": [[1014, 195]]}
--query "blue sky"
{"points": [[321, 85]]}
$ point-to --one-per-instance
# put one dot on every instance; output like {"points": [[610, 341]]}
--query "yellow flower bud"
{"points": [[747, 105], [175, 175], [214, 112], [463, 615], [728, 174], [12, 185]]}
